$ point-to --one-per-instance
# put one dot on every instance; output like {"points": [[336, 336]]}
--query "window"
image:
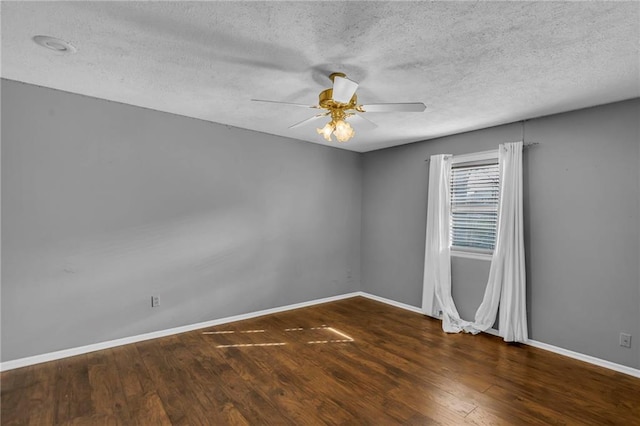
{"points": [[475, 191]]}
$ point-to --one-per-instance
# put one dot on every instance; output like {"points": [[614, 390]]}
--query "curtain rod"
{"points": [[524, 145]]}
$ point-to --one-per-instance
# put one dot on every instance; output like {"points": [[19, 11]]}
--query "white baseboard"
{"points": [[390, 302], [52, 356], [555, 349], [586, 358]]}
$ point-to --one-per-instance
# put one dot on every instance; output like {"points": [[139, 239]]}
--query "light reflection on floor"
{"points": [[241, 345], [300, 332]]}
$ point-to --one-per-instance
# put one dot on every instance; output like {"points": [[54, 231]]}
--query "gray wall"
{"points": [[105, 205], [581, 187]]}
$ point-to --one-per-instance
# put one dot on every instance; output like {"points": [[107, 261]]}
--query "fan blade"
{"points": [[404, 107], [343, 89], [308, 120], [286, 103], [361, 122]]}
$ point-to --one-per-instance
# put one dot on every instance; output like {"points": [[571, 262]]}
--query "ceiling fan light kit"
{"points": [[340, 129], [341, 103]]}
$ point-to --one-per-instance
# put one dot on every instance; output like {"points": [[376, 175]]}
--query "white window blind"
{"points": [[475, 190]]}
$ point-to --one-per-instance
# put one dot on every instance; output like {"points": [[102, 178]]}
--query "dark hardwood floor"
{"points": [[354, 361]]}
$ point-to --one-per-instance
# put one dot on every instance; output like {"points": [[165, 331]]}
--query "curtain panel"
{"points": [[506, 286], [436, 293]]}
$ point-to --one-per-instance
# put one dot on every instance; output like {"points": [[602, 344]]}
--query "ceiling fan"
{"points": [[341, 103]]}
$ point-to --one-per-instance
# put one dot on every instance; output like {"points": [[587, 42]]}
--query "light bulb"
{"points": [[343, 131], [326, 131]]}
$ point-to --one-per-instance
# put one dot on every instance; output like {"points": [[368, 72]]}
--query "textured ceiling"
{"points": [[474, 65]]}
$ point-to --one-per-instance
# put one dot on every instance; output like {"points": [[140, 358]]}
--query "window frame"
{"points": [[463, 160]]}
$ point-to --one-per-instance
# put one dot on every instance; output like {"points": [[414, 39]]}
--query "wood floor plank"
{"points": [[183, 401], [107, 395], [316, 358], [14, 389], [297, 373], [41, 405], [353, 361], [278, 385], [232, 393], [228, 385], [147, 409], [72, 389], [214, 403], [95, 419], [348, 366], [134, 377]]}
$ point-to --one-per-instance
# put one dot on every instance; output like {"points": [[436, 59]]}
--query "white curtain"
{"points": [[506, 286], [436, 293]]}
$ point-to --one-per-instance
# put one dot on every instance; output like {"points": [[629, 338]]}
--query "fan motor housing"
{"points": [[325, 100]]}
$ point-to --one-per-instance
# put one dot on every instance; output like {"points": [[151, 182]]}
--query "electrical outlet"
{"points": [[155, 301], [625, 340]]}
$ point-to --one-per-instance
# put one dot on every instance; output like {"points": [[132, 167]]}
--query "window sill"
{"points": [[472, 255]]}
